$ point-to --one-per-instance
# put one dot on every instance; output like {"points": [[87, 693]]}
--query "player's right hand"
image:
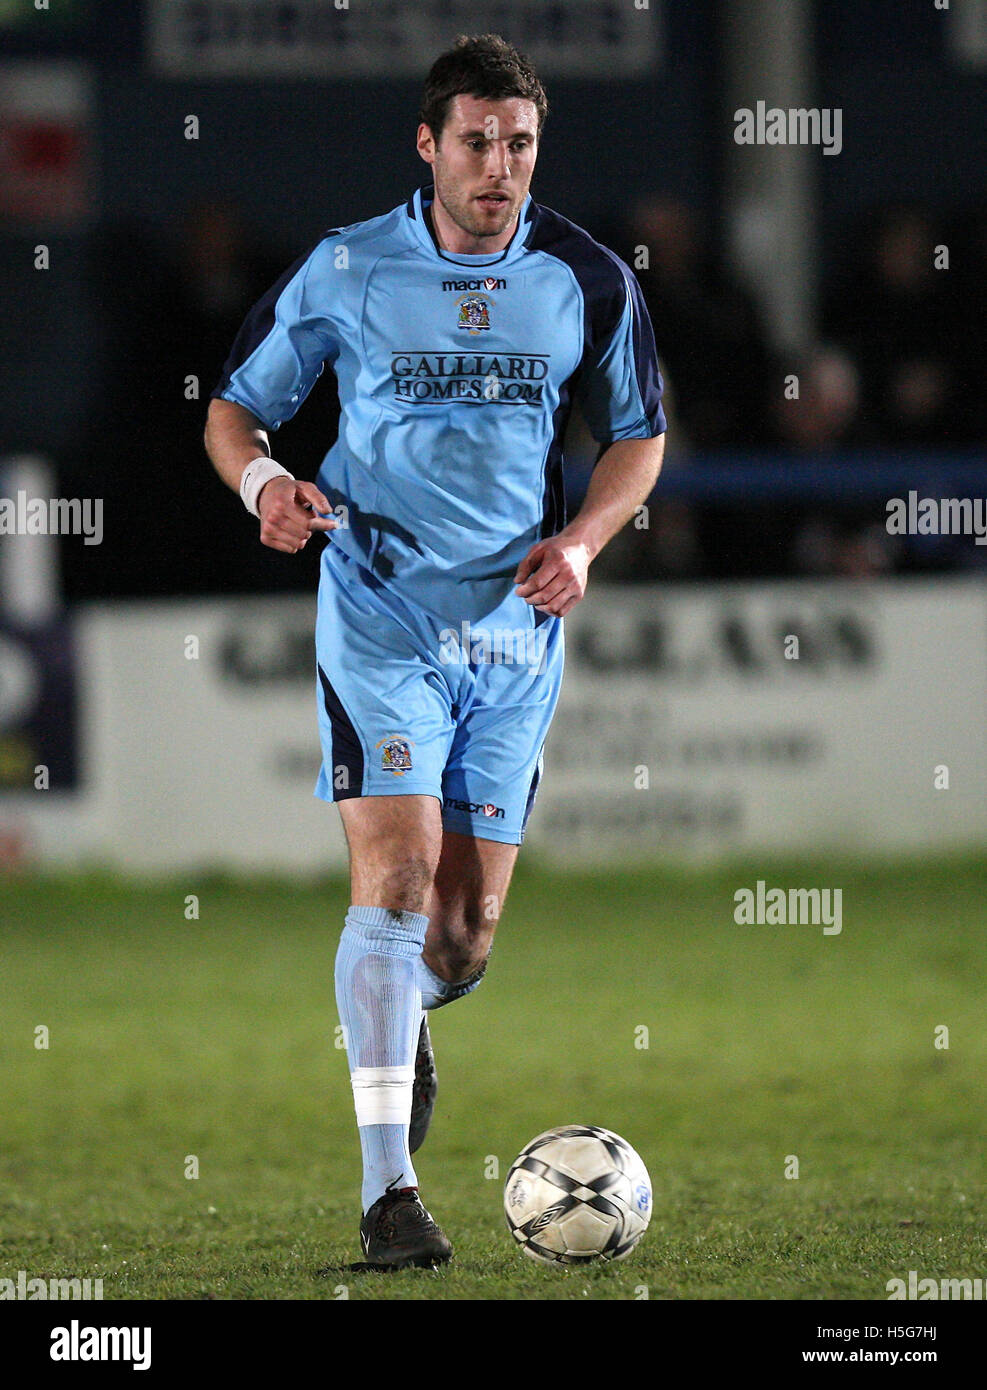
{"points": [[288, 514]]}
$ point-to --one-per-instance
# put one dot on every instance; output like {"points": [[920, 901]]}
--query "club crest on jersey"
{"points": [[474, 312], [395, 754]]}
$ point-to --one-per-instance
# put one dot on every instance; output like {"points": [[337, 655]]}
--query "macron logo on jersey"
{"points": [[490, 284]]}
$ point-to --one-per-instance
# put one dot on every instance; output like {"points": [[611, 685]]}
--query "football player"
{"points": [[462, 326]]}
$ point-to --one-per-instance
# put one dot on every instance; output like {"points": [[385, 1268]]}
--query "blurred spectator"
{"points": [[827, 543], [828, 539], [893, 311], [968, 274], [826, 412], [167, 318], [708, 329]]}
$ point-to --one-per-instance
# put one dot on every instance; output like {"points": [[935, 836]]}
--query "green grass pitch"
{"points": [[214, 1038]]}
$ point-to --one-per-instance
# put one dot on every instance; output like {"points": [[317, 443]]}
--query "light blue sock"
{"points": [[380, 1008], [436, 991]]}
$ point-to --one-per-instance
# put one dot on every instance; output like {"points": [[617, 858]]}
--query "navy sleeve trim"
{"points": [[260, 320], [606, 283]]}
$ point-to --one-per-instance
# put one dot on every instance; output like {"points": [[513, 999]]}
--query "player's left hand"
{"points": [[552, 576]]}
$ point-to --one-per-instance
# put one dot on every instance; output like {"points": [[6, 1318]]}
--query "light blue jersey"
{"points": [[456, 375]]}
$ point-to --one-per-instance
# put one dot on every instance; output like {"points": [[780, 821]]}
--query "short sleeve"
{"points": [[284, 342], [620, 384]]}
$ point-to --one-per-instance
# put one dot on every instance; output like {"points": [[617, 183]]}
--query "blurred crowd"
{"points": [[169, 310], [900, 365], [901, 348]]}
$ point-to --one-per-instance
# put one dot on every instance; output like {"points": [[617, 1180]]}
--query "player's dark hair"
{"points": [[483, 66]]}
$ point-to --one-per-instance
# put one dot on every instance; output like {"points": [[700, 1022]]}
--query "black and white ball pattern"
{"points": [[577, 1193]]}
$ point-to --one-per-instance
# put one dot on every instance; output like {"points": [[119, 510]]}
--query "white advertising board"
{"points": [[691, 725], [392, 38]]}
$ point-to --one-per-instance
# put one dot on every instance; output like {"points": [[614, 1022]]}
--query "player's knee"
{"points": [[407, 881], [458, 954]]}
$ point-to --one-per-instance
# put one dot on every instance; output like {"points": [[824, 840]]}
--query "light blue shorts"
{"points": [[409, 704]]}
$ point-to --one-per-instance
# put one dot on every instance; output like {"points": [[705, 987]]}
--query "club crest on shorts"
{"points": [[395, 754], [474, 312]]}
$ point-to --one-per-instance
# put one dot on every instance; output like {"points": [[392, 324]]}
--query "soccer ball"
{"points": [[576, 1194]]}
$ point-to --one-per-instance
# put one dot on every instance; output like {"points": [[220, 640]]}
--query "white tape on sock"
{"points": [[382, 1095]]}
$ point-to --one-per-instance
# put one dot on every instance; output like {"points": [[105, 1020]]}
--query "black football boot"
{"points": [[398, 1233]]}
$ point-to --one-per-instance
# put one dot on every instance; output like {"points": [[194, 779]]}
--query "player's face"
{"points": [[482, 165]]}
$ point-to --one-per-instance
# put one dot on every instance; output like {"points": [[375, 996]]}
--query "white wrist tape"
{"points": [[255, 475]]}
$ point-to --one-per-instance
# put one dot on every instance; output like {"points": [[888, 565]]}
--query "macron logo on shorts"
{"points": [[475, 808]]}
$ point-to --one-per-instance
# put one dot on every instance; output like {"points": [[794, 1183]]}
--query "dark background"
{"points": [[183, 235]]}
